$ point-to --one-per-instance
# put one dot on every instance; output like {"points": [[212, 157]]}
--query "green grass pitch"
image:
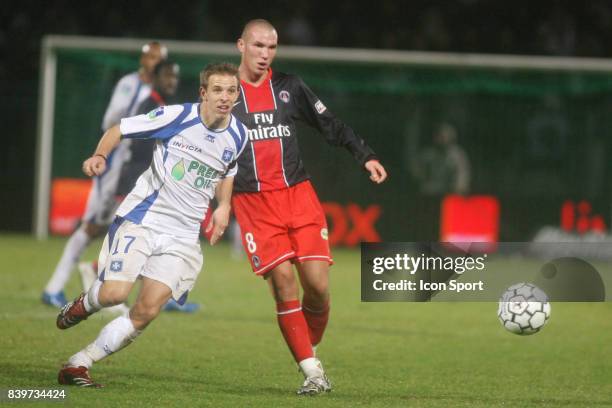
{"points": [[231, 353]]}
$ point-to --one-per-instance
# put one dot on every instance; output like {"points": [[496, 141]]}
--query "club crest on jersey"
{"points": [[156, 112], [320, 107], [284, 96], [116, 266], [228, 155]]}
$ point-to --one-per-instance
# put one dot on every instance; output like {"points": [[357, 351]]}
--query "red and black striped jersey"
{"points": [[271, 160]]}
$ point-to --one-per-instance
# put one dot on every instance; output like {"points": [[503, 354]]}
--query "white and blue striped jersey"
{"points": [[127, 96], [173, 195]]}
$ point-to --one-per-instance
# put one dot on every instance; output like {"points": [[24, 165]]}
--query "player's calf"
{"points": [[142, 314], [152, 297]]}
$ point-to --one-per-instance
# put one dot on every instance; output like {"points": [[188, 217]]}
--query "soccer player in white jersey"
{"points": [[155, 235], [129, 93]]}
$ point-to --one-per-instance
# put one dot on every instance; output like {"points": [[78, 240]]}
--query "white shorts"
{"points": [[131, 250], [102, 201]]}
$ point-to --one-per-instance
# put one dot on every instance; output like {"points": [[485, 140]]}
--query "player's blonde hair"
{"points": [[218, 68]]}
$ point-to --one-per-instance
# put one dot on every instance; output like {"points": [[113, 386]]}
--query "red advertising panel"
{"points": [[470, 219], [68, 200]]}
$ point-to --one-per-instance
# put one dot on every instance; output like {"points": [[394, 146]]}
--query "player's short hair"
{"points": [[163, 50], [218, 68], [256, 22], [166, 64]]}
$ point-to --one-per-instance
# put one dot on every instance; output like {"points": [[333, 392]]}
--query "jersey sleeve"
{"points": [[337, 133], [119, 103], [152, 124], [232, 169]]}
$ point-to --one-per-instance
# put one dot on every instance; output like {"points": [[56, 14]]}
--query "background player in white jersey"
{"points": [[129, 93], [155, 235]]}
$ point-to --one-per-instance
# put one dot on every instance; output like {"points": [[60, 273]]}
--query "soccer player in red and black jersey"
{"points": [[280, 217]]}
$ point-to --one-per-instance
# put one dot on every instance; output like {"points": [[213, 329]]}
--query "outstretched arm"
{"points": [[336, 132], [96, 164], [220, 217]]}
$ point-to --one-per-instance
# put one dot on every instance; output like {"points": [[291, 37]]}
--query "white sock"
{"points": [[311, 367], [114, 336], [88, 274], [90, 301], [72, 252]]}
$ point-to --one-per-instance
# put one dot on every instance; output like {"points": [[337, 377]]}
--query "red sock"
{"points": [[294, 328], [317, 322]]}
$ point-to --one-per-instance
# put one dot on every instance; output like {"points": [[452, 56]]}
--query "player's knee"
{"points": [[284, 285], [317, 293], [314, 276], [321, 288]]}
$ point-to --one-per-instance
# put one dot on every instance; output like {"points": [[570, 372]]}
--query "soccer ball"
{"points": [[523, 309]]}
